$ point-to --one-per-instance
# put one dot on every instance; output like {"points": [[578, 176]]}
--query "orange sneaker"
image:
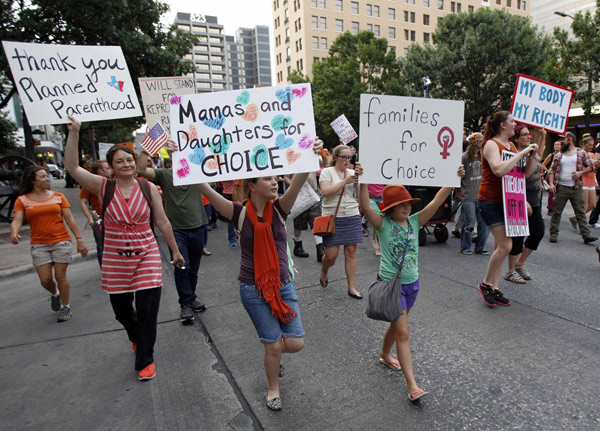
{"points": [[134, 346], [148, 373]]}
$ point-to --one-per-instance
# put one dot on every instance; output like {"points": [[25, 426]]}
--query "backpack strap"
{"points": [[145, 188], [109, 192], [243, 216]]}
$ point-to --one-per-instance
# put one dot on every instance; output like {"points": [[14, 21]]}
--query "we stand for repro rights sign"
{"points": [[411, 141], [541, 104]]}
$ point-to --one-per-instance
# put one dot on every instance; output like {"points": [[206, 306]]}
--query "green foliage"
{"points": [[8, 135], [476, 58]]}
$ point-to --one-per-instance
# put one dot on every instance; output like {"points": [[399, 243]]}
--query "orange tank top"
{"points": [[490, 188]]}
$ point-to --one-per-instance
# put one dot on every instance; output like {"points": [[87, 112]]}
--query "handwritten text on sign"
{"points": [[410, 141], [157, 94], [243, 134], [342, 127], [89, 82], [541, 104], [515, 200]]}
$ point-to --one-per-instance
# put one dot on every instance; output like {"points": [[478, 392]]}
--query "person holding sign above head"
{"points": [[498, 131], [185, 210], [566, 172], [131, 267], [339, 185], [398, 235], [266, 287]]}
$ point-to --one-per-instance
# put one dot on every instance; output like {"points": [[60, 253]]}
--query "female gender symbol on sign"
{"points": [[445, 139]]}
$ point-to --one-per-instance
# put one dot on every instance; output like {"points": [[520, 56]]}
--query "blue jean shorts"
{"points": [[270, 329], [492, 213]]}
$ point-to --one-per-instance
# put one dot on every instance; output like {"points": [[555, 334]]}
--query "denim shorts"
{"points": [[492, 213], [59, 252], [270, 329]]}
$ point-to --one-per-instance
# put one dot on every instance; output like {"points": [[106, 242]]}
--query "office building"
{"points": [[249, 58], [304, 29], [543, 13]]}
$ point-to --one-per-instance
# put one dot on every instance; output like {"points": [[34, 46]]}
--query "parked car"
{"points": [[55, 171]]}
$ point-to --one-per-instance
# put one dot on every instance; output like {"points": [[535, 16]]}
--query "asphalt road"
{"points": [[533, 365]]}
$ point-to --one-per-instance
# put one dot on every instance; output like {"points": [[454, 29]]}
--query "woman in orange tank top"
{"points": [[498, 131]]}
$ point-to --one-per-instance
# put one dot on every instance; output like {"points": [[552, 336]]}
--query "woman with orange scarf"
{"points": [[266, 286]]}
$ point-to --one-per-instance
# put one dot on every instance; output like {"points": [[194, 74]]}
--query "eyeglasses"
{"points": [[344, 157]]}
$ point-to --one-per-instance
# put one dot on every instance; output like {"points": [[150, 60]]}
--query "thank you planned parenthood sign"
{"points": [[90, 83], [412, 141], [541, 104]]}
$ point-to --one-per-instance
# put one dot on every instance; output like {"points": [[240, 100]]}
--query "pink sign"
{"points": [[515, 200]]}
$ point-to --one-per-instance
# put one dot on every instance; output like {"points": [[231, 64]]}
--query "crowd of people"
{"points": [[125, 196]]}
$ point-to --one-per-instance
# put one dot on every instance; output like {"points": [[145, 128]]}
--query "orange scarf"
{"points": [[266, 263]]}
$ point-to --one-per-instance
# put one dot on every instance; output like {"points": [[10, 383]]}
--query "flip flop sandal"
{"points": [[205, 252], [514, 277], [275, 404], [414, 396], [394, 365], [323, 283], [523, 272]]}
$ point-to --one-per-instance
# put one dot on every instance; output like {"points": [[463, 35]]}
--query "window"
{"points": [[376, 11], [392, 33], [338, 6], [498, 1], [339, 25], [323, 22], [425, 19], [313, 3], [315, 59], [322, 4], [299, 64], [369, 10], [324, 43], [288, 53], [298, 25], [459, 7], [315, 42], [376, 30], [355, 27], [370, 27], [354, 7], [452, 6], [406, 35], [406, 15], [425, 3], [392, 14], [405, 52], [508, 3], [521, 4], [413, 35], [314, 22], [440, 4], [287, 35], [426, 37], [299, 45], [275, 24], [413, 17], [471, 9]]}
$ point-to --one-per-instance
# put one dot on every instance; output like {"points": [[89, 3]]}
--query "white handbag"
{"points": [[307, 197]]}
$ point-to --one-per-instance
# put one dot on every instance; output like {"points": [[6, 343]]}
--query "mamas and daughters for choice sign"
{"points": [[412, 141], [541, 104], [89, 82], [243, 134]]}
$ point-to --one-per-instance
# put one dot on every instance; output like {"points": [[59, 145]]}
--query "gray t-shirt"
{"points": [[469, 184]]}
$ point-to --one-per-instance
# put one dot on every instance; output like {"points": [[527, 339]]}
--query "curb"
{"points": [[18, 270]]}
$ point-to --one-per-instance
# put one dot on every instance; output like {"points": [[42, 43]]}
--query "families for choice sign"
{"points": [[411, 141], [156, 95], [515, 201], [541, 104], [89, 82], [243, 134]]}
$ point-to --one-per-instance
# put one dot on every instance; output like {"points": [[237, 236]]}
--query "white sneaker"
{"points": [[597, 225]]}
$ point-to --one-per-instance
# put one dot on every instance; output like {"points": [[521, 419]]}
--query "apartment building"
{"points": [[224, 62], [304, 29]]}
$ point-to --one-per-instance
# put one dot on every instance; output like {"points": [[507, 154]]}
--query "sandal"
{"points": [[414, 396], [523, 272], [275, 404], [205, 252], [323, 283], [514, 277], [394, 365]]}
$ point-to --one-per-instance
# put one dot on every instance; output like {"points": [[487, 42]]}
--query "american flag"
{"points": [[155, 139]]}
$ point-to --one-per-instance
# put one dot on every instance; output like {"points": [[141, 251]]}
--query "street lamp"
{"points": [[563, 14]]}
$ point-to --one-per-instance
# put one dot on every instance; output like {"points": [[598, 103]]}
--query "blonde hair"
{"points": [[336, 152]]}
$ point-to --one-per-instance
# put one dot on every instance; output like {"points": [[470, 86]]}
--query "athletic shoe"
{"points": [[483, 252], [573, 221], [55, 302], [467, 252], [499, 297], [198, 306], [597, 225], [186, 315], [64, 314], [147, 373], [487, 294], [553, 237], [232, 243]]}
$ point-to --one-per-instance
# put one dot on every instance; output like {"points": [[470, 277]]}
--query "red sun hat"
{"points": [[395, 195]]}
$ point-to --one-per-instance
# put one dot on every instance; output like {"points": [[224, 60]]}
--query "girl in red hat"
{"points": [[396, 230]]}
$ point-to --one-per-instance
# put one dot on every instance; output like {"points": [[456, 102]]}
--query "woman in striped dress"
{"points": [[131, 266]]}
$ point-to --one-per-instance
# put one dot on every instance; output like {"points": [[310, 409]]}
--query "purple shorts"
{"points": [[409, 294]]}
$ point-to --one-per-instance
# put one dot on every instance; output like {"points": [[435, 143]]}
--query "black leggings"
{"points": [[536, 233], [139, 322]]}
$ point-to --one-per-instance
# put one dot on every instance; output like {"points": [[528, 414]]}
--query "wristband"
{"points": [[78, 237]]}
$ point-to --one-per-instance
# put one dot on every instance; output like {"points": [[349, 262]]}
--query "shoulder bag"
{"points": [[325, 225]]}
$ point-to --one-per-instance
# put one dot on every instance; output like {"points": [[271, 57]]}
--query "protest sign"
{"points": [[91, 83], [157, 93], [342, 127], [103, 149], [243, 134], [515, 200], [411, 141], [540, 104]]}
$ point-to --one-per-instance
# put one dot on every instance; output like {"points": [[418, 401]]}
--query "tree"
{"points": [[150, 48], [580, 57], [476, 57], [357, 63]]}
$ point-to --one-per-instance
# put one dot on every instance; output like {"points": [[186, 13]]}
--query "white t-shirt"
{"points": [[349, 204], [568, 165]]}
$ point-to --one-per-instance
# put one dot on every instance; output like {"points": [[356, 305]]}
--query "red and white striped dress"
{"points": [[131, 259]]}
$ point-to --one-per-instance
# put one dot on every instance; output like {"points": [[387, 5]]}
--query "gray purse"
{"points": [[385, 297]]}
